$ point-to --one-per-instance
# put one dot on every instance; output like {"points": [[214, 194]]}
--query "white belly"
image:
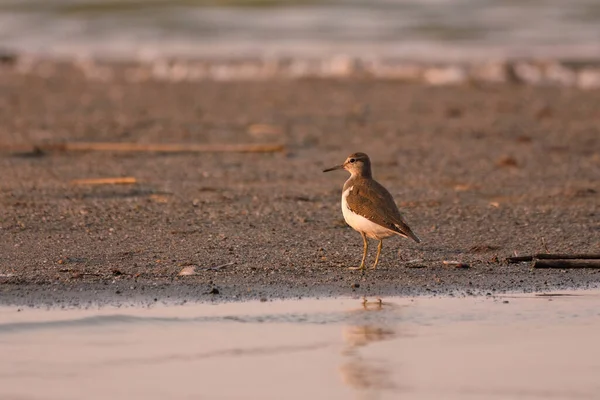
{"points": [[361, 224]]}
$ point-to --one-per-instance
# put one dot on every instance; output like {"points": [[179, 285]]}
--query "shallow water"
{"points": [[417, 29], [525, 347]]}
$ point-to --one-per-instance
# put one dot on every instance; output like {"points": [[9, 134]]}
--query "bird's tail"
{"points": [[407, 232]]}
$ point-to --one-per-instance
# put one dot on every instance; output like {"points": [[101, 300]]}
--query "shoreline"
{"points": [[127, 294]]}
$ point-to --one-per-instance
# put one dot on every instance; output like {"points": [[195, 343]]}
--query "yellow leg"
{"points": [[379, 246], [365, 248]]}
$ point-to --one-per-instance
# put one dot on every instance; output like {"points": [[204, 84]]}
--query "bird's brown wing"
{"points": [[372, 201]]}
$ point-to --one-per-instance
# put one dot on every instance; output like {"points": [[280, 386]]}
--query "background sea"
{"points": [[429, 30]]}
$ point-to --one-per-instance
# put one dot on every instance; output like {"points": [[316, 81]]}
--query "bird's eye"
{"points": [[352, 160]]}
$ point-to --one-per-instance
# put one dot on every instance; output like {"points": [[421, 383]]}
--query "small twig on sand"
{"points": [[128, 180], [455, 264], [546, 256], [564, 264], [144, 147]]}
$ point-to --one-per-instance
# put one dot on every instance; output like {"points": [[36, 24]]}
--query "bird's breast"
{"points": [[360, 223]]}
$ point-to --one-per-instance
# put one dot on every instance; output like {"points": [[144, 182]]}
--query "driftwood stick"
{"points": [[564, 264], [163, 147], [546, 256], [129, 180], [40, 148]]}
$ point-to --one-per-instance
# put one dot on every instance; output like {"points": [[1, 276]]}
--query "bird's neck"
{"points": [[357, 176], [362, 174]]}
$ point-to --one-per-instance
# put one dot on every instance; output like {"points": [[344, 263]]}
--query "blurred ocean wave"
{"points": [[413, 29]]}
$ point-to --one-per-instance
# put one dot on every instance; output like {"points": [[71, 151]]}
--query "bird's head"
{"points": [[358, 164]]}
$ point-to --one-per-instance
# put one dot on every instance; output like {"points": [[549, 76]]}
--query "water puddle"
{"points": [[524, 346]]}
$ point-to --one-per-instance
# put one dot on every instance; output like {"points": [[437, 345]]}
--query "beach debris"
{"points": [[456, 264], [214, 290], [130, 147], [128, 180], [566, 264], [547, 256], [260, 130], [189, 270]]}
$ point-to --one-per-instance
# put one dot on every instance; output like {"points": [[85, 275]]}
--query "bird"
{"points": [[368, 207]]}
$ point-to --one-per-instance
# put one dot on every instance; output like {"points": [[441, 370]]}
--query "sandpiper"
{"points": [[368, 207]]}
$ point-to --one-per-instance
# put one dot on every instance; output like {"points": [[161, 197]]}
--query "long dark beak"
{"points": [[334, 168]]}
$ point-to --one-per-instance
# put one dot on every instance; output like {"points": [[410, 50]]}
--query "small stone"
{"points": [[505, 302], [190, 270], [214, 291], [456, 264], [355, 285]]}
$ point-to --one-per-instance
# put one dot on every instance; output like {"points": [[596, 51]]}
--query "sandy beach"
{"points": [[481, 172]]}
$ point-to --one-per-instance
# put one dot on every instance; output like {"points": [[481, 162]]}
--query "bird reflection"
{"points": [[368, 376]]}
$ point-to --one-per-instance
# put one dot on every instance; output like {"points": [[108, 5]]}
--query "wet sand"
{"points": [[481, 172], [525, 347]]}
